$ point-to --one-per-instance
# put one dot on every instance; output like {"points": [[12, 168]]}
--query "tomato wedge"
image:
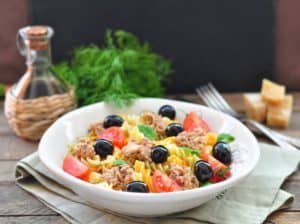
{"points": [[220, 170], [192, 121], [74, 167], [216, 179], [162, 183], [115, 135]]}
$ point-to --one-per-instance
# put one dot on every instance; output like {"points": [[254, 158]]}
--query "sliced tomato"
{"points": [[115, 135], [216, 179], [162, 183], [74, 167], [220, 170], [192, 121]]}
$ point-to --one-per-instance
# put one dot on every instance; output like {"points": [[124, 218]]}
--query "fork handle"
{"points": [[270, 134], [294, 141]]}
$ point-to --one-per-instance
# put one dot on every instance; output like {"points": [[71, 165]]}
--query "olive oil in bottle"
{"points": [[34, 42]]}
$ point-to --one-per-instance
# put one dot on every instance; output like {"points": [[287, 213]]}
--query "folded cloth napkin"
{"points": [[250, 202]]}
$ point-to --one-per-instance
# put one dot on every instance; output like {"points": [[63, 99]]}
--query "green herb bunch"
{"points": [[120, 71], [2, 90]]}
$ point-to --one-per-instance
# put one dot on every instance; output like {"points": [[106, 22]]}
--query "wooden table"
{"points": [[17, 206]]}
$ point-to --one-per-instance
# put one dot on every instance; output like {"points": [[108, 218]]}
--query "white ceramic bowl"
{"points": [[53, 148]]}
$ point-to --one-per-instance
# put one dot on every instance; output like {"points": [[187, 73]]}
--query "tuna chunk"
{"points": [[193, 139], [137, 151], [183, 176], [118, 176], [96, 128], [155, 121], [84, 149]]}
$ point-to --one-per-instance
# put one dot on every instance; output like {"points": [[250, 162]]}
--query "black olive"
{"points": [[167, 111], [112, 120], [159, 154], [221, 152], [174, 129], [203, 171], [103, 148], [137, 186]]}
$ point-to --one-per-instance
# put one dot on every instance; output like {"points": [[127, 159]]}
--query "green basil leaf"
{"points": [[224, 137], [191, 151], [119, 162], [148, 131], [221, 173], [206, 183]]}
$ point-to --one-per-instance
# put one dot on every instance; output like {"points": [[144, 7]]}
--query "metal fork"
{"points": [[214, 99]]}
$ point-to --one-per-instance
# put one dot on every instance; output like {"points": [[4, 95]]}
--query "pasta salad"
{"points": [[150, 153]]}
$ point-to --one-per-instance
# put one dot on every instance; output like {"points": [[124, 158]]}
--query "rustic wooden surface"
{"points": [[17, 206]]}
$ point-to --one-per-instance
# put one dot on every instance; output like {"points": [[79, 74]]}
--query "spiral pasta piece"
{"points": [[181, 157], [132, 133], [97, 164], [95, 178], [143, 173], [163, 167], [132, 120]]}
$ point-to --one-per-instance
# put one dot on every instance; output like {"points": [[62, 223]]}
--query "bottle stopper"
{"points": [[37, 36]]}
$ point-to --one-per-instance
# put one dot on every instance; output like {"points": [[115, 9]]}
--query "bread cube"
{"points": [[279, 115], [271, 92], [256, 108]]}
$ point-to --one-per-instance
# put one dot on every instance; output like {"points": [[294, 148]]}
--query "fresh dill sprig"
{"points": [[2, 90], [122, 70]]}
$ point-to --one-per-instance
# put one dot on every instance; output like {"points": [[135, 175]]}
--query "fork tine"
{"points": [[213, 99], [218, 96], [203, 97], [210, 98], [220, 99], [202, 92]]}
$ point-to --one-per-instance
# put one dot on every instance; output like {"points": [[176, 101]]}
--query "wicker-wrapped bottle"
{"points": [[38, 99]]}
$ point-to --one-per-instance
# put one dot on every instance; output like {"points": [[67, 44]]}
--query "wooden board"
{"points": [[276, 218], [17, 206], [17, 202], [52, 219]]}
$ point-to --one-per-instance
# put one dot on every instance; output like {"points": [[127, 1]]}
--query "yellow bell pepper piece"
{"points": [[210, 138]]}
